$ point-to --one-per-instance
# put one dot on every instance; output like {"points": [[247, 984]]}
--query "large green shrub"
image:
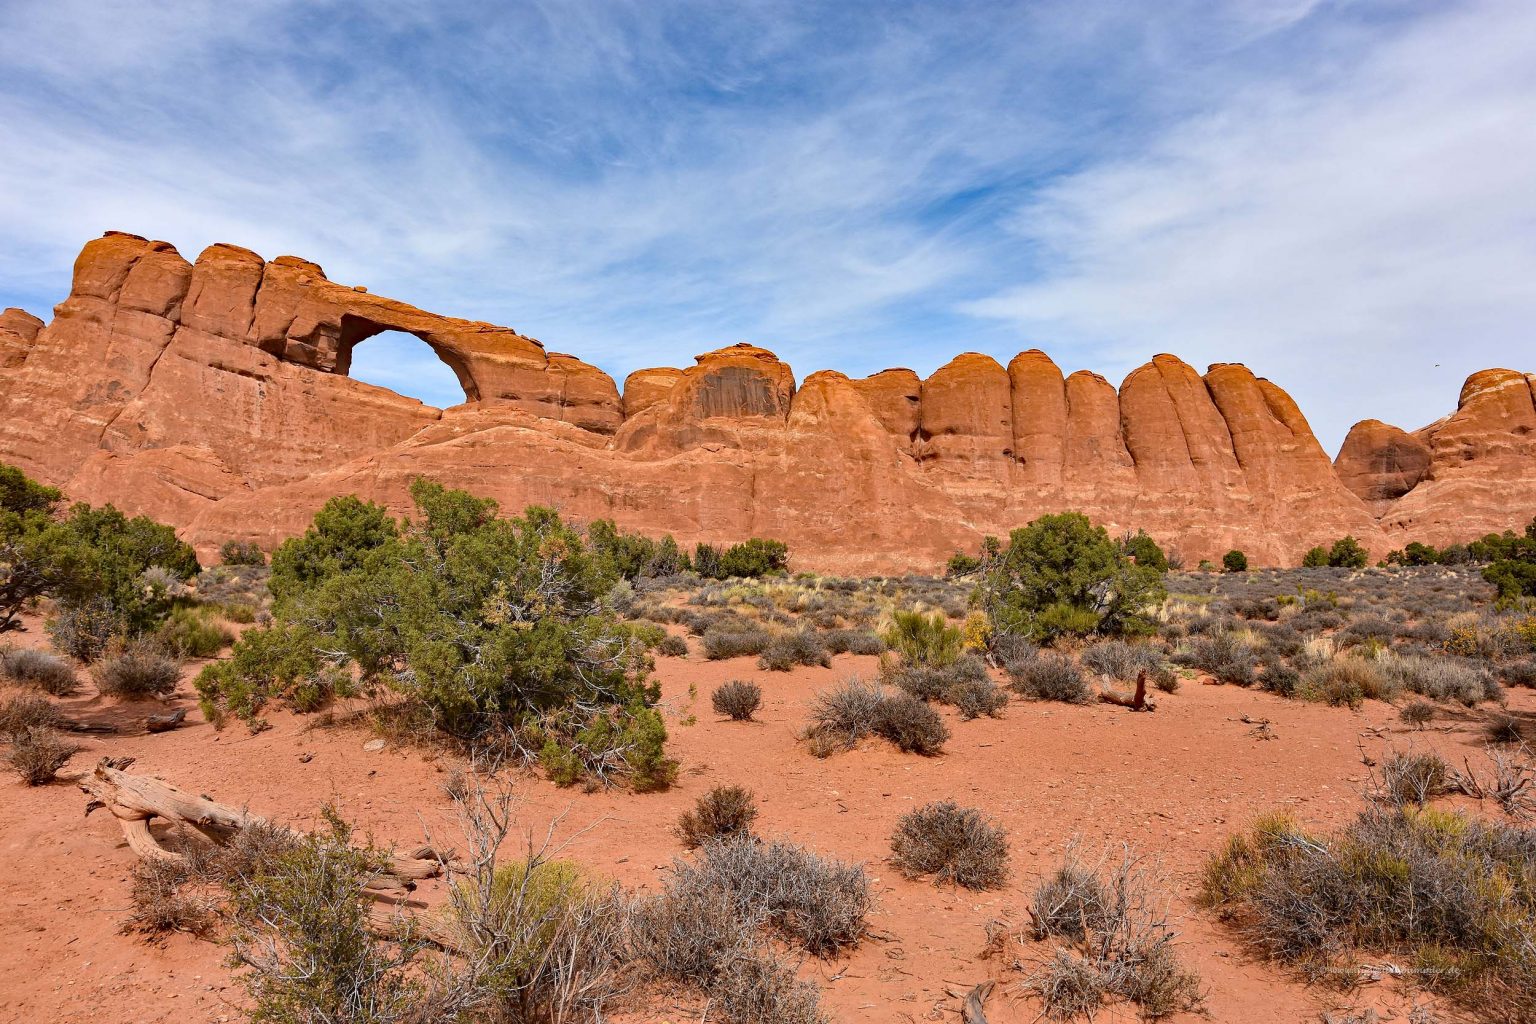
{"points": [[1348, 553], [123, 561], [86, 554], [241, 552], [491, 625], [632, 556], [1061, 574], [344, 532], [1415, 553], [1496, 547], [749, 559], [1145, 550], [1514, 570], [280, 664]]}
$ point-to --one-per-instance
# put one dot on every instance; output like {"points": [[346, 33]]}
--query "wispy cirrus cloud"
{"points": [[1281, 182], [1364, 232]]}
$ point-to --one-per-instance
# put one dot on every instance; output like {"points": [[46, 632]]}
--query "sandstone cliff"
{"points": [[1471, 473], [215, 395]]}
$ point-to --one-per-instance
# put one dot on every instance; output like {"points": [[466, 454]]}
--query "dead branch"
{"points": [[973, 1012], [135, 800], [1136, 702], [82, 726]]}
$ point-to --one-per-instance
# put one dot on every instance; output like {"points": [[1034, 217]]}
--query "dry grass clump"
{"points": [[854, 709], [922, 681], [813, 902], [25, 711], [189, 894], [854, 641], [760, 987], [166, 900], [1222, 653], [1441, 678], [709, 927], [1412, 778], [688, 933], [545, 941], [725, 812], [1346, 681], [193, 633], [737, 699], [963, 683], [38, 752], [38, 669], [953, 844], [975, 696], [1120, 660], [1502, 727], [301, 931], [542, 941], [1521, 673], [845, 714], [1013, 652], [1418, 713], [1166, 679], [802, 647], [1050, 677], [911, 724], [693, 935], [1110, 941], [735, 638], [1452, 897], [138, 668], [672, 646], [84, 630]]}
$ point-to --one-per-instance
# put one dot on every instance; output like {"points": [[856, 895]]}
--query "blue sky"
{"points": [[1340, 194]]}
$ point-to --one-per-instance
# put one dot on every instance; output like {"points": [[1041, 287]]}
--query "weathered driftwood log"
{"points": [[1136, 702], [83, 726], [393, 924], [973, 1012], [134, 800], [139, 798], [165, 723]]}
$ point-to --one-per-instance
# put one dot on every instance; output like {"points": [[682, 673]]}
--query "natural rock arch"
{"points": [[357, 329]]}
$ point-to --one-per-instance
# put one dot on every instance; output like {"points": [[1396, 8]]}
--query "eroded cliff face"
{"points": [[1471, 473], [214, 395]]}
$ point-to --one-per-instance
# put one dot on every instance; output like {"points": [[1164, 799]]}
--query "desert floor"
{"points": [[1173, 784]]}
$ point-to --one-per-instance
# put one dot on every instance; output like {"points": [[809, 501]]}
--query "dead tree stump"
{"points": [[1136, 702]]}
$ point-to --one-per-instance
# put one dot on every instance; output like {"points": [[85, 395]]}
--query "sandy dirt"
{"points": [[1173, 783]]}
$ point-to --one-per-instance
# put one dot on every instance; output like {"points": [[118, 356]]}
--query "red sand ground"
{"points": [[1174, 784]]}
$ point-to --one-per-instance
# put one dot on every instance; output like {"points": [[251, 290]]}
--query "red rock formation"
{"points": [[1381, 463], [18, 330], [1471, 473], [1038, 396], [215, 395]]}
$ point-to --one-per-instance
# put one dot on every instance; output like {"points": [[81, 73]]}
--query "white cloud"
{"points": [[1341, 232], [1272, 181]]}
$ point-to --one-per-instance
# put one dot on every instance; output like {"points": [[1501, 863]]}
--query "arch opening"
{"points": [[402, 362]]}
